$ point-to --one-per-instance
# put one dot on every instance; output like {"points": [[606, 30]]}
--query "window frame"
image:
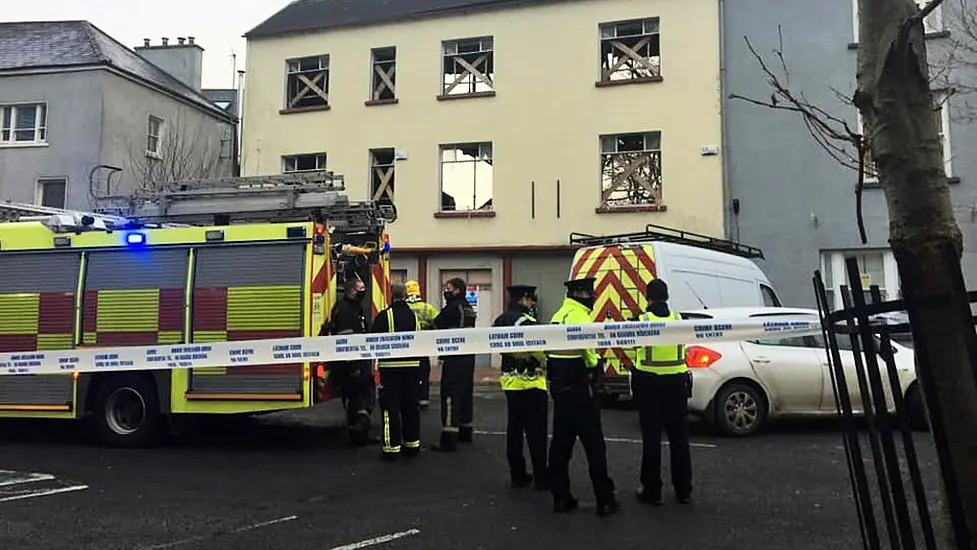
{"points": [[40, 128], [324, 67], [486, 70], [832, 264], [480, 158], [317, 155], [40, 185], [379, 84], [160, 122], [657, 199], [928, 27], [386, 192], [646, 23]]}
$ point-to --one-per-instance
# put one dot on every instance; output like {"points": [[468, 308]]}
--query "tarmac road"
{"points": [[290, 482]]}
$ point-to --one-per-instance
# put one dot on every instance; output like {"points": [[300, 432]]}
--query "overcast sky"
{"points": [[217, 25]]}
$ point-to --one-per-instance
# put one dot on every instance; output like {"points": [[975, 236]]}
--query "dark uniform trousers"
{"points": [[399, 392], [425, 381], [662, 406], [354, 380], [457, 395], [576, 413], [528, 411]]}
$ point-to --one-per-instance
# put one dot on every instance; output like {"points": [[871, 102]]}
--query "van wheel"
{"points": [[127, 412], [740, 409], [916, 408]]}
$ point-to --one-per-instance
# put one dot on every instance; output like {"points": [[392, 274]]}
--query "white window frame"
{"points": [[8, 133], [157, 152], [933, 23], [319, 165], [859, 123], [40, 184], [833, 261], [482, 146], [941, 98]]}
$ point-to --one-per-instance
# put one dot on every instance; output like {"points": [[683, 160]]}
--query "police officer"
{"points": [[354, 379], [399, 384], [425, 314], [523, 380], [662, 383], [573, 376], [457, 372]]}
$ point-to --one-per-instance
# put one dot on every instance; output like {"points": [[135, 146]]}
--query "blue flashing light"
{"points": [[134, 239]]}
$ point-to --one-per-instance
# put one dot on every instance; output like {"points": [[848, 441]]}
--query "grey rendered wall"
{"points": [[794, 199], [547, 271], [73, 134], [125, 125]]}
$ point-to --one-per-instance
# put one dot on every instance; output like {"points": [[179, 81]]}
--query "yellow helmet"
{"points": [[413, 288]]}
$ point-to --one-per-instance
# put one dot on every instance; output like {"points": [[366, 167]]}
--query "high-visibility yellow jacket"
{"points": [[662, 359], [573, 312], [523, 370], [425, 312]]}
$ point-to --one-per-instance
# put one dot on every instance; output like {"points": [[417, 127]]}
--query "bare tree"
{"points": [[894, 97], [182, 150]]}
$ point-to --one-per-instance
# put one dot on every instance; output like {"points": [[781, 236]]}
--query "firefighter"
{"points": [[399, 386], [573, 377], [425, 315], [523, 380], [354, 379], [457, 372], [662, 384]]}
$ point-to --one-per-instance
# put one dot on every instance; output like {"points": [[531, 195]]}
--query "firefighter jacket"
{"points": [[347, 317], [399, 317], [457, 313], [425, 312], [521, 370], [662, 359], [573, 312]]}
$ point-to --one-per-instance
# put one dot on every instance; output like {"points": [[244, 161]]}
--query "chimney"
{"points": [[183, 60]]}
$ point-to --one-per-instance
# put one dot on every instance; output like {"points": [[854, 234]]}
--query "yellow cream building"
{"points": [[496, 128]]}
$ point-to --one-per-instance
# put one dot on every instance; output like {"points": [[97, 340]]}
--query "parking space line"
{"points": [[615, 440], [244, 529], [24, 477], [45, 492], [378, 540]]}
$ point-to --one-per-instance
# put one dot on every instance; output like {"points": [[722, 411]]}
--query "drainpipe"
{"points": [[724, 137]]}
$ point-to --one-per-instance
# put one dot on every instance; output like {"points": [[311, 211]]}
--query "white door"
{"points": [[829, 402], [790, 368]]}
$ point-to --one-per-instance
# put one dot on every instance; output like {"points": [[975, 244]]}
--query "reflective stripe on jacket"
{"points": [[573, 312], [533, 377], [662, 359], [399, 362]]}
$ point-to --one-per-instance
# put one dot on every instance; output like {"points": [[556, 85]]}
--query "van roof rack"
{"points": [[660, 233]]}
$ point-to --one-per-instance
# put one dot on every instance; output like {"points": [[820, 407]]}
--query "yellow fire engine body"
{"points": [[170, 285]]}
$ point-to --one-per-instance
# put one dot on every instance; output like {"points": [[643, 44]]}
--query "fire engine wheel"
{"points": [[127, 412]]}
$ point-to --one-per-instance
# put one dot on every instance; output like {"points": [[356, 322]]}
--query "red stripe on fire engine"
{"points": [[127, 338], [56, 313], [210, 309], [320, 283], [289, 369], [89, 313], [171, 309], [17, 342]]}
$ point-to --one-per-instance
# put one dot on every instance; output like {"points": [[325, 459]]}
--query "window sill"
{"points": [[23, 144], [454, 214], [154, 155], [466, 96], [372, 102], [642, 80], [632, 209], [927, 36], [297, 110]]}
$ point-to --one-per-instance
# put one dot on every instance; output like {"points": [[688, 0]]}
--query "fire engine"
{"points": [[196, 262]]}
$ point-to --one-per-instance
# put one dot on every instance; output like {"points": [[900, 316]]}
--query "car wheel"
{"points": [[740, 409], [916, 408], [127, 412]]}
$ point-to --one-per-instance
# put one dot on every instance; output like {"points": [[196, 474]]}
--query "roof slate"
{"points": [[66, 44], [312, 15]]}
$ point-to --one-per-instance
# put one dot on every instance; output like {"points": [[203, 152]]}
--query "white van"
{"points": [[701, 272]]}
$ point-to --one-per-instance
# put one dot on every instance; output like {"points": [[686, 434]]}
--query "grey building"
{"points": [[787, 196], [82, 113]]}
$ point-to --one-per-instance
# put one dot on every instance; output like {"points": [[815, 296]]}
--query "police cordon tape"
{"points": [[325, 349]]}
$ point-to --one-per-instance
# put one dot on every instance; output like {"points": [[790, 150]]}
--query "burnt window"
{"points": [[307, 82], [382, 175], [384, 84], [466, 177], [631, 172], [630, 50], [468, 67], [304, 163]]}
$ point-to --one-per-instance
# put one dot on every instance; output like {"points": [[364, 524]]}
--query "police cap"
{"points": [[586, 284], [657, 291], [518, 292]]}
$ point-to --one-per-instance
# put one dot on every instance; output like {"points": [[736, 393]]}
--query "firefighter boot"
{"points": [[448, 443], [565, 505], [465, 434]]}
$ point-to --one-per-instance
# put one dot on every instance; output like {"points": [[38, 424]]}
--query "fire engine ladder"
{"points": [[59, 219], [222, 201], [660, 233]]}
